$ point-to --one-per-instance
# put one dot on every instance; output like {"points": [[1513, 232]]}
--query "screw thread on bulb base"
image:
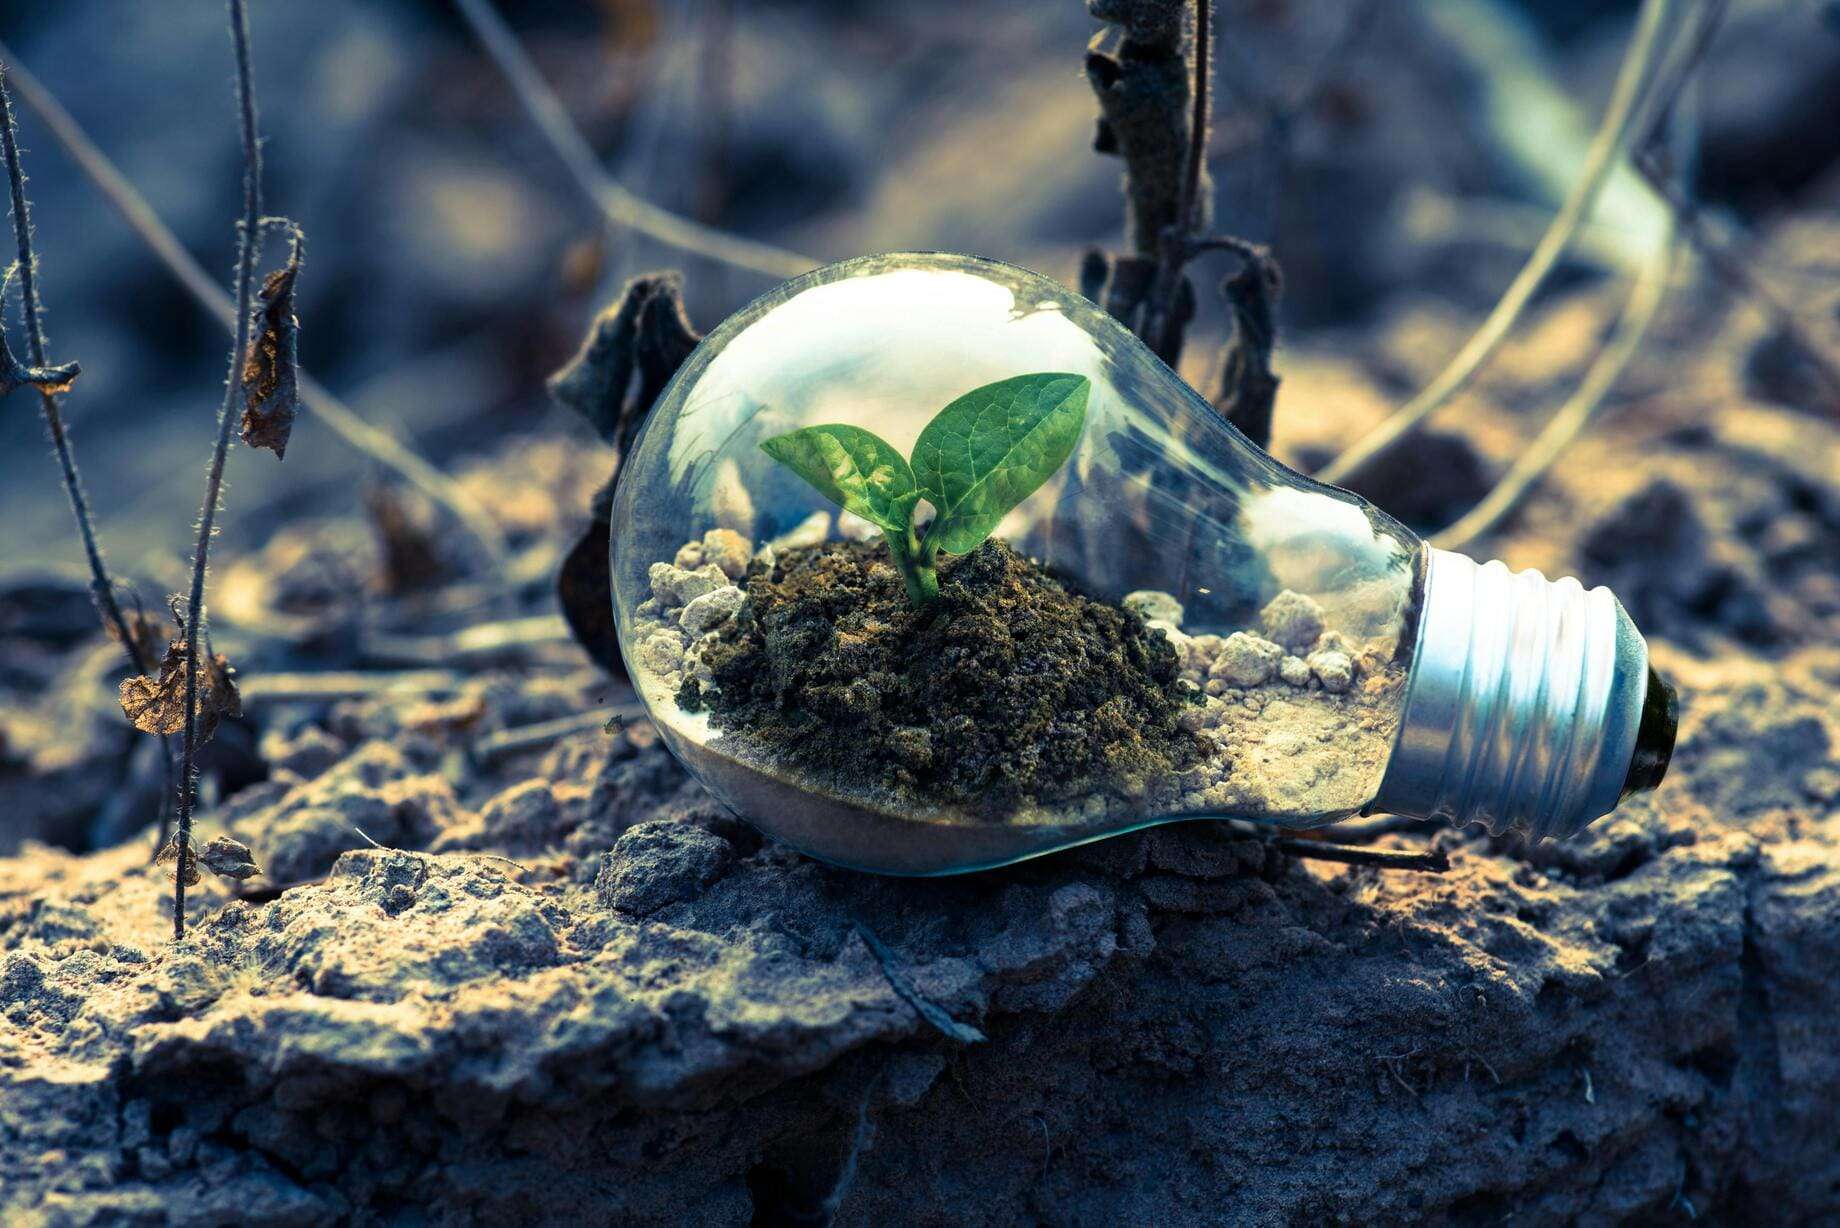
{"points": [[1526, 705]]}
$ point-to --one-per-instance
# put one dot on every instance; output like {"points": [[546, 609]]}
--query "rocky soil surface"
{"points": [[560, 984], [497, 978]]}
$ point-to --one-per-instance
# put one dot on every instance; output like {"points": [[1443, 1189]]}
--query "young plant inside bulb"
{"points": [[924, 564]]}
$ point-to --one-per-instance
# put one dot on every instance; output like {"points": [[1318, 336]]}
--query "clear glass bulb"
{"points": [[1323, 661]]}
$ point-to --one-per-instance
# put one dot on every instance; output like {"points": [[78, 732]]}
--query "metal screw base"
{"points": [[1524, 705]]}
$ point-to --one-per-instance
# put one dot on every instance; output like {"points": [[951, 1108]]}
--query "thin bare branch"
{"points": [[102, 588], [343, 421], [1432, 861], [1606, 150], [480, 642], [331, 685], [530, 737], [1571, 419], [248, 251], [621, 207]]}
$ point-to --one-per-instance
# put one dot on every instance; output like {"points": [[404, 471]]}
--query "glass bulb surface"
{"points": [[1290, 608]]}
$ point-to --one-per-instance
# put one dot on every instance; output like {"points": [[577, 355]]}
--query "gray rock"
{"points": [[1292, 620], [1152, 605], [1245, 660], [658, 864], [1333, 669], [712, 609], [728, 550]]}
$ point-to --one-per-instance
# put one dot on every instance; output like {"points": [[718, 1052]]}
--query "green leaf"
{"points": [[853, 468], [988, 451]]}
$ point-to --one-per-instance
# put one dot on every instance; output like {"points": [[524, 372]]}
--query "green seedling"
{"points": [[978, 458]]}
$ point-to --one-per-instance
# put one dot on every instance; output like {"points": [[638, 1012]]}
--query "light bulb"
{"points": [[1322, 661]]}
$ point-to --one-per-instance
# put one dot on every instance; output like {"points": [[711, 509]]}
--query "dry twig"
{"points": [[1572, 417], [621, 207], [1607, 148], [101, 586], [343, 421], [248, 250], [531, 737], [1432, 861]]}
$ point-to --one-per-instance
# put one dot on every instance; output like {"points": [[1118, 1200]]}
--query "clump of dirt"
{"points": [[1012, 689]]}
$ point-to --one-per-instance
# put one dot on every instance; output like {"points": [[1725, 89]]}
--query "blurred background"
{"points": [[1401, 158]]}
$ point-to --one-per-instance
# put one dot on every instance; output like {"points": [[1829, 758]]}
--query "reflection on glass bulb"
{"points": [[1321, 661]]}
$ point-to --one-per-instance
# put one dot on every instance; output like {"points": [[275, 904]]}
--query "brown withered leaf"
{"points": [[271, 369], [169, 854], [229, 858], [157, 705]]}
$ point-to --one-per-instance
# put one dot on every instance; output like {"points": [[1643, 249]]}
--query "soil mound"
{"points": [[1011, 689]]}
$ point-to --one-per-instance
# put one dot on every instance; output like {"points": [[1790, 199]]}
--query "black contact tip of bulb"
{"points": [[1654, 737]]}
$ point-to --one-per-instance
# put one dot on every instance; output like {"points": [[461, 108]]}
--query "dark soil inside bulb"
{"points": [[1010, 689]]}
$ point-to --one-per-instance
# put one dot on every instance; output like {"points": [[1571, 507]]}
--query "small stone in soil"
{"points": [[1293, 620], [1153, 606], [674, 586], [1333, 669], [712, 609], [728, 550], [1246, 660], [661, 652]]}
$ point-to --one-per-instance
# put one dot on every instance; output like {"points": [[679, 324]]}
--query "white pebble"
{"points": [[712, 609], [1246, 660], [854, 527], [687, 586], [661, 652], [1293, 620], [1333, 669], [810, 531], [1152, 605], [689, 556], [1201, 651], [1295, 671], [664, 582], [1172, 633], [728, 550]]}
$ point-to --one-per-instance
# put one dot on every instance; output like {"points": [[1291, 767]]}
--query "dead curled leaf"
{"points": [[157, 705], [221, 855], [169, 854], [229, 858], [271, 369]]}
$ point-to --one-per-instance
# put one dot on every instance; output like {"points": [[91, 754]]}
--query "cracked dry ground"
{"points": [[571, 990]]}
